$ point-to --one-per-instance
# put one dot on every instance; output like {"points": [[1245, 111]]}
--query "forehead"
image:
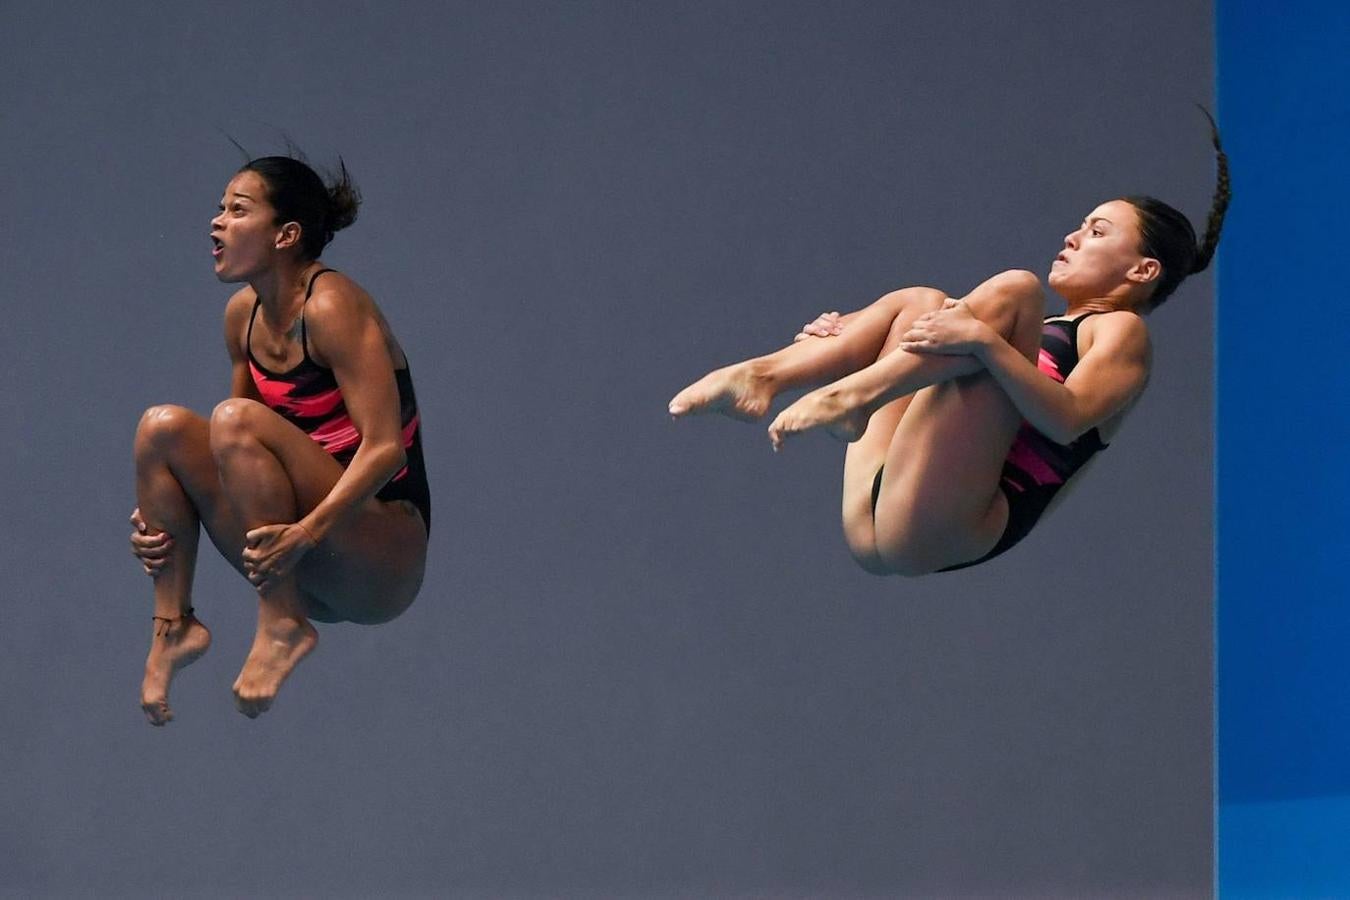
{"points": [[249, 183], [1118, 212]]}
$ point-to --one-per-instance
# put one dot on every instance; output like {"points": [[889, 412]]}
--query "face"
{"points": [[245, 233], [1101, 258]]}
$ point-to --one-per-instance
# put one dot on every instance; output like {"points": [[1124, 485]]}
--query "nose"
{"points": [[1071, 240]]}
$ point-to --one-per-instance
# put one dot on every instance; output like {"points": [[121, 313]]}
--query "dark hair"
{"points": [[299, 194], [1167, 236]]}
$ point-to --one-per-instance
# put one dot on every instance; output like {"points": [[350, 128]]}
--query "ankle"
{"points": [[764, 372], [170, 625]]}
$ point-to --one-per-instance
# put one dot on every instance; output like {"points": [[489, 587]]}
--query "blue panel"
{"points": [[1283, 535]]}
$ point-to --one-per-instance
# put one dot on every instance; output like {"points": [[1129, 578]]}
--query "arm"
{"points": [[1108, 376], [345, 334], [952, 342]]}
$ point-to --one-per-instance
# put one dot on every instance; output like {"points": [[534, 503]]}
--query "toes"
{"points": [[157, 712], [252, 705]]}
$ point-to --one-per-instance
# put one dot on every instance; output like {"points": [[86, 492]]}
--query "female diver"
{"points": [[309, 479], [967, 416]]}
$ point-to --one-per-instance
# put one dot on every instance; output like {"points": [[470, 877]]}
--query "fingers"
{"points": [[918, 339], [151, 546], [153, 550], [825, 325], [259, 568]]}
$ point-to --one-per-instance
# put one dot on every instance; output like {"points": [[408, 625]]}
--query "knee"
{"points": [[161, 428], [1020, 288], [920, 299], [232, 424]]}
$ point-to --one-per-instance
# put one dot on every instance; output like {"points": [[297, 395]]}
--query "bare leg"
{"points": [[939, 503], [262, 494], [864, 457], [843, 407], [745, 390], [172, 450], [368, 569]]}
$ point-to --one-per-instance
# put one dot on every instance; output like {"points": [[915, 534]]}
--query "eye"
{"points": [[1097, 232]]}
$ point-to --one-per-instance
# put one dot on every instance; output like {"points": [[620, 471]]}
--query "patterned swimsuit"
{"points": [[309, 398]]}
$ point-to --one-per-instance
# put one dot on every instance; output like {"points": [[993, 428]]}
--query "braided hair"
{"points": [[1167, 236], [299, 194]]}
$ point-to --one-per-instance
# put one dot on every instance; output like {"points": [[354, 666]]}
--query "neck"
{"points": [[281, 289], [1121, 298], [1094, 305]]}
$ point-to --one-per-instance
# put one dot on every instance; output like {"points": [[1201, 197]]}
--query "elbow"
{"points": [[1063, 436], [1066, 432], [385, 455]]}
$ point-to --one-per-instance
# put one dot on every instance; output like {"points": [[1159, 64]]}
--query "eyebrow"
{"points": [[1098, 219]]}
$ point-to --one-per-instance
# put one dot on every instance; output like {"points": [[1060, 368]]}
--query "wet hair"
{"points": [[1167, 236], [322, 207]]}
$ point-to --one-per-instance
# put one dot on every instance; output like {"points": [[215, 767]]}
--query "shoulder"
{"points": [[240, 305], [337, 300], [237, 311], [1121, 333], [339, 317]]}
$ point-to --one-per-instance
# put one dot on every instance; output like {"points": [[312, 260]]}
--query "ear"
{"points": [[288, 235], [1146, 270]]}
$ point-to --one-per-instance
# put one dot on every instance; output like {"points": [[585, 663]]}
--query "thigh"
{"points": [[865, 456], [369, 566], [940, 502]]}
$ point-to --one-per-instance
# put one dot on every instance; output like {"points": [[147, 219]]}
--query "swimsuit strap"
{"points": [[248, 338], [304, 344], [304, 335], [1073, 331]]}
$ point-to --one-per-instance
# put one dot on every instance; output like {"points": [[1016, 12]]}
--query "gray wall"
{"points": [[643, 663]]}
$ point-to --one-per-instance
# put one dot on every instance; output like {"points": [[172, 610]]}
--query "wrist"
{"points": [[986, 341], [312, 530]]}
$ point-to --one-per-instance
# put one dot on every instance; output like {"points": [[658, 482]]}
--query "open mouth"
{"points": [[217, 247]]}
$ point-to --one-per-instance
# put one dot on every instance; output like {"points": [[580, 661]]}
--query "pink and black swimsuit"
{"points": [[309, 398], [1037, 467]]}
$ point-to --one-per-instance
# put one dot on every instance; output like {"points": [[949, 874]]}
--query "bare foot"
{"points": [[737, 391], [822, 408], [176, 644], [278, 647]]}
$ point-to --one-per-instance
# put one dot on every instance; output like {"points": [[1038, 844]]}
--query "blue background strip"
{"points": [[1283, 444]]}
